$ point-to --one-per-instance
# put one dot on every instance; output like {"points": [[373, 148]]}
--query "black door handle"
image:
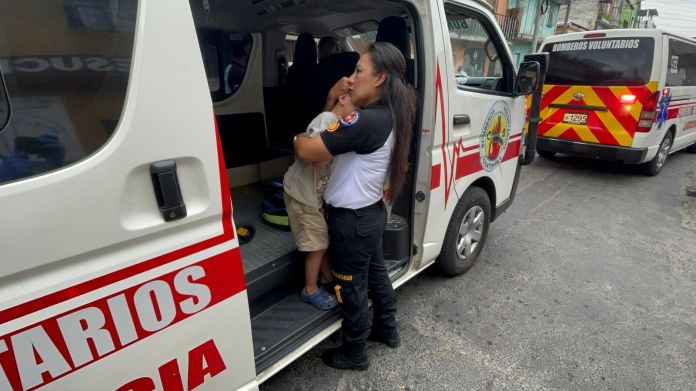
{"points": [[461, 119], [167, 190]]}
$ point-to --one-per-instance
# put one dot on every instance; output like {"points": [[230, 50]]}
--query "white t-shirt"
{"points": [[304, 181], [362, 147]]}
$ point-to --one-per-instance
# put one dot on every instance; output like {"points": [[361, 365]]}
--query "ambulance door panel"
{"points": [[105, 280], [485, 136], [681, 83]]}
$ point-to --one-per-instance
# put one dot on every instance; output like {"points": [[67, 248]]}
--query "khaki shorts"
{"points": [[308, 225]]}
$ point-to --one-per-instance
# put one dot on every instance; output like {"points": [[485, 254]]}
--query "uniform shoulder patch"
{"points": [[350, 119], [333, 126]]}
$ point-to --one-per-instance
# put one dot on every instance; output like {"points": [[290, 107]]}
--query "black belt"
{"points": [[333, 209]]}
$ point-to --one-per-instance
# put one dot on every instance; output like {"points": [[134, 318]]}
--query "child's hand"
{"points": [[341, 87]]}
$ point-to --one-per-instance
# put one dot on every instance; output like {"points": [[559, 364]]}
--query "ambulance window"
{"points": [[681, 68], [477, 63], [66, 80], [225, 57]]}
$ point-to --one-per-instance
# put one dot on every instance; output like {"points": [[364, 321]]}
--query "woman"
{"points": [[368, 146]]}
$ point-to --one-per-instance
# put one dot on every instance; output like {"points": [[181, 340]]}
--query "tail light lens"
{"points": [[647, 116], [628, 99]]}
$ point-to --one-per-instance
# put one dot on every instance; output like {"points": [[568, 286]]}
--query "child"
{"points": [[303, 187]]}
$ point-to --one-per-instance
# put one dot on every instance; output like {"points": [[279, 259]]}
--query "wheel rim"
{"points": [[662, 154], [470, 232]]}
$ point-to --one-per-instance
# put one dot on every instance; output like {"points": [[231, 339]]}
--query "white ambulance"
{"points": [[627, 95], [120, 264]]}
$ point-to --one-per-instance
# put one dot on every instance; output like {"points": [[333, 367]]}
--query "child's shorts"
{"points": [[308, 225]]}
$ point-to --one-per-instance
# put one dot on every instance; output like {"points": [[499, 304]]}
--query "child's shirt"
{"points": [[304, 181]]}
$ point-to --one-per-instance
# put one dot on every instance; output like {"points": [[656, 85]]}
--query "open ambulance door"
{"points": [[476, 137], [120, 268]]}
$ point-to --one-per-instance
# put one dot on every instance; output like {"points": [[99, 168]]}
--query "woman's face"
{"points": [[365, 85]]}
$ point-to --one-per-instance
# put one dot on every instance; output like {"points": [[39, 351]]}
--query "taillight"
{"points": [[628, 99], [647, 116]]}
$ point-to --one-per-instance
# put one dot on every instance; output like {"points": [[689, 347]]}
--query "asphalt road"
{"points": [[588, 282]]}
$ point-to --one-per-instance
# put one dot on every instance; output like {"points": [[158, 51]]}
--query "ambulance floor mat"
{"points": [[269, 243]]}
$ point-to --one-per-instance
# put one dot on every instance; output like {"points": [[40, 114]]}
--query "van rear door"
{"points": [[596, 88], [119, 264]]}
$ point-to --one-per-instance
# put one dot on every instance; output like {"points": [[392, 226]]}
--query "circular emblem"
{"points": [[578, 96], [494, 136], [333, 126], [350, 119]]}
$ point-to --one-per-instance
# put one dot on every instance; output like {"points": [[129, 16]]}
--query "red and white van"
{"points": [[127, 156], [625, 95]]}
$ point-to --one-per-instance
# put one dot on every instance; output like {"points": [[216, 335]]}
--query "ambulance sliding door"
{"points": [[119, 265]]}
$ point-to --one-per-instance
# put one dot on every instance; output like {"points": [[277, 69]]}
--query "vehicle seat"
{"points": [[393, 29], [303, 84]]}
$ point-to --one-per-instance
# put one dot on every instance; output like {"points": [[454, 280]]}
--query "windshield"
{"points": [[600, 62]]}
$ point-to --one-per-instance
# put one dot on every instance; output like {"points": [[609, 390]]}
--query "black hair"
{"points": [[400, 98]]}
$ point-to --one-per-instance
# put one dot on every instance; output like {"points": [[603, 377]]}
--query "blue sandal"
{"points": [[321, 299]]}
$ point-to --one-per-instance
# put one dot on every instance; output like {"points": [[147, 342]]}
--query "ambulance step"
{"points": [[395, 266], [284, 327], [274, 281]]}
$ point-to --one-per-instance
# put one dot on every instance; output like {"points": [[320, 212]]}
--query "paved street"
{"points": [[588, 282]]}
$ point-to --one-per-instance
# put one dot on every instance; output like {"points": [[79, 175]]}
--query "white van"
{"points": [[120, 264], [624, 95]]}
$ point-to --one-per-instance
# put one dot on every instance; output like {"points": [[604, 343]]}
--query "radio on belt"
{"points": [[167, 190]]}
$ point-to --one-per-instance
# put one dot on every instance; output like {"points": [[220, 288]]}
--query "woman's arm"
{"points": [[311, 149]]}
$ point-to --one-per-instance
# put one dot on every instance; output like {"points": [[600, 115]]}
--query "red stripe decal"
{"points": [[435, 176], [672, 112], [513, 149], [101, 281], [82, 336], [440, 98], [467, 165]]}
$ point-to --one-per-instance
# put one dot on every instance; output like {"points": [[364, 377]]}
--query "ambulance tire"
{"points": [[546, 154], [470, 221], [654, 166]]}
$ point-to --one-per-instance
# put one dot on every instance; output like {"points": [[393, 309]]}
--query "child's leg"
{"points": [[325, 275], [312, 265]]}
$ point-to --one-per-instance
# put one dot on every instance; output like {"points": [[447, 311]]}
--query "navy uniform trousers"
{"points": [[357, 261]]}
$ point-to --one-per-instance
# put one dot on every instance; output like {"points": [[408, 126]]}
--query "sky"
{"points": [[678, 16]]}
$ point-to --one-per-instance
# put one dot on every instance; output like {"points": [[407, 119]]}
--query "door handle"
{"points": [[461, 119], [167, 191]]}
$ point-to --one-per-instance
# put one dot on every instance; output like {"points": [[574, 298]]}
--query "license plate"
{"points": [[575, 118]]}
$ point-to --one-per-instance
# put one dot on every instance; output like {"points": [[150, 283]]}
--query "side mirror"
{"points": [[527, 80]]}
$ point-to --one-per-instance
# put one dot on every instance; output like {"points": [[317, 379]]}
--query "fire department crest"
{"points": [[494, 136]]}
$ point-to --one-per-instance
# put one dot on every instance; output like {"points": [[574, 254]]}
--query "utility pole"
{"points": [[537, 24], [565, 24]]}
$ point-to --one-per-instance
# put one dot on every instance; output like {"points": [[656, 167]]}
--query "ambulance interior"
{"points": [[257, 118]]}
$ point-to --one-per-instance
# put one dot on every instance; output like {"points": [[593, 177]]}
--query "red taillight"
{"points": [[628, 99], [595, 35], [647, 116]]}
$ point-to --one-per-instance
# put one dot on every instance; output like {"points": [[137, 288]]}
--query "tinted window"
{"points": [[601, 62], [65, 64], [225, 56], [681, 69]]}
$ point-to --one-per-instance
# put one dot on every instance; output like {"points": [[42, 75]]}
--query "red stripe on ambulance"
{"points": [[48, 350]]}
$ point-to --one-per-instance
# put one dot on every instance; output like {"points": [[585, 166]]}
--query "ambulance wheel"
{"points": [[466, 232], [546, 154], [654, 166]]}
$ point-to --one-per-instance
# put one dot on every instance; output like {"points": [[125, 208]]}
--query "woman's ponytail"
{"points": [[400, 98]]}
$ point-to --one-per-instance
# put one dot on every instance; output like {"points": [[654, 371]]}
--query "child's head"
{"points": [[344, 106]]}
